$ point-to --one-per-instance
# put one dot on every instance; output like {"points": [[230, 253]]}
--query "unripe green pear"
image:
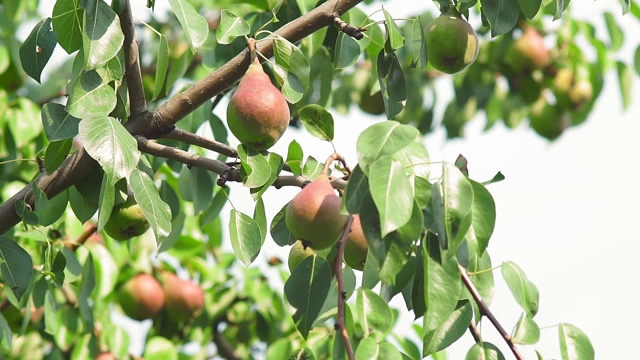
{"points": [[452, 44], [126, 221], [141, 297], [258, 113], [313, 215], [297, 254], [184, 299], [356, 246], [548, 120], [581, 93]]}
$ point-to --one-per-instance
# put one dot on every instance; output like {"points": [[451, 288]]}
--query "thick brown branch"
{"points": [[132, 62], [72, 170], [341, 326], [224, 348], [484, 310]]}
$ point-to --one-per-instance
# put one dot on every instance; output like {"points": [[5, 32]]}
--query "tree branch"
{"points": [[341, 326], [132, 62], [163, 119], [169, 113], [484, 310], [197, 140]]}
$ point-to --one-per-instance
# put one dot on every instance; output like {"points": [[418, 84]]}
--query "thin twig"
{"points": [[475, 333], [197, 140], [86, 234], [484, 310], [333, 157], [341, 326], [354, 32], [132, 62]]}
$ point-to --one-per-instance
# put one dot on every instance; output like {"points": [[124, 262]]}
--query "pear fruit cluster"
{"points": [[258, 113], [313, 215], [127, 221], [184, 299], [452, 43]]}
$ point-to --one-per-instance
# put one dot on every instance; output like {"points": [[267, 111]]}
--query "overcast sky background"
{"points": [[567, 212]]}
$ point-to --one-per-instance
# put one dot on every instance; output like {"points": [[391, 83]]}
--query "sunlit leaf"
{"points": [[449, 331], [347, 51], [384, 138], [574, 343], [154, 208], [523, 290], [526, 331], [392, 193], [246, 238], [231, 26], [317, 121], [90, 96], [162, 64], [102, 37], [194, 25]]}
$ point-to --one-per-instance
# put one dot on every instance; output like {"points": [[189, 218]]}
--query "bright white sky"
{"points": [[567, 211]]}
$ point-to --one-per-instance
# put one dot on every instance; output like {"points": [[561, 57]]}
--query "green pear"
{"points": [[528, 52], [313, 215], [452, 43], [141, 297], [258, 113], [297, 254], [126, 221], [184, 299], [356, 246]]}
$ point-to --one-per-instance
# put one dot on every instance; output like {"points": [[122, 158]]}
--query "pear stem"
{"points": [[251, 45], [342, 296]]}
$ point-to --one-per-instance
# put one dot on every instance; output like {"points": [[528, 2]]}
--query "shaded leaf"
{"points": [[501, 15], [317, 121], [450, 331], [37, 48], [246, 238], [523, 290], [195, 26], [15, 265], [58, 123]]}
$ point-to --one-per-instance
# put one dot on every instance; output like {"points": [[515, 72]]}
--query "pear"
{"points": [[183, 299], [313, 215], [356, 246], [297, 254], [258, 113], [127, 220], [141, 297]]}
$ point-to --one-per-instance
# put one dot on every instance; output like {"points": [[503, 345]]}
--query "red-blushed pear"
{"points": [[356, 246], [313, 215], [126, 221], [141, 297], [105, 356], [184, 299], [258, 113], [528, 52]]}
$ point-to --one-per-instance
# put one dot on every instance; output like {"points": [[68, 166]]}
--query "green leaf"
{"points": [[450, 331], [49, 210], [279, 231], [484, 216], [194, 25], [294, 157], [276, 163], [374, 313], [155, 209], [51, 323], [106, 201], [68, 23], [636, 60], [484, 351], [24, 211], [312, 168], [306, 291], [254, 168], [160, 348], [457, 203], [394, 34], [57, 123], [625, 80], [87, 285], [291, 61], [37, 48], [441, 285], [357, 189], [530, 7], [418, 45], [616, 35], [501, 15], [102, 37], [368, 349], [82, 207], [291, 86], [260, 218], [106, 270], [384, 138], [480, 266], [317, 121], [523, 290], [574, 344], [162, 64], [392, 193], [392, 83], [15, 265], [111, 145], [347, 51], [90, 96], [246, 238], [231, 26], [526, 331], [56, 152]]}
